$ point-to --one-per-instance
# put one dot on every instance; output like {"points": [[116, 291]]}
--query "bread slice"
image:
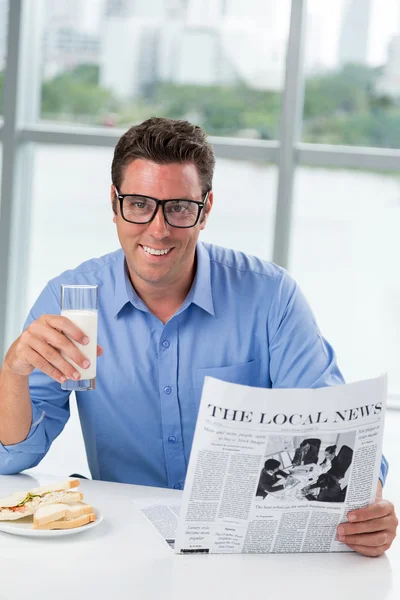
{"points": [[66, 497], [68, 523], [54, 512], [17, 497], [67, 484]]}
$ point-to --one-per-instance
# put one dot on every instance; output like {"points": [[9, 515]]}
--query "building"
{"points": [[256, 55], [194, 56], [67, 48], [192, 42], [128, 61], [354, 35], [389, 84], [70, 36]]}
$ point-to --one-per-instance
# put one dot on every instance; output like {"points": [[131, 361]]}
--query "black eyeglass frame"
{"points": [[162, 203]]}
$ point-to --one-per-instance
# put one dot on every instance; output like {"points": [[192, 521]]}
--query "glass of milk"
{"points": [[79, 305]]}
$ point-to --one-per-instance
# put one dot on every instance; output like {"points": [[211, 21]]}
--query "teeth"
{"points": [[156, 252]]}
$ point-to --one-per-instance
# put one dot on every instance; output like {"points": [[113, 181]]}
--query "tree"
{"points": [[76, 93], [343, 108]]}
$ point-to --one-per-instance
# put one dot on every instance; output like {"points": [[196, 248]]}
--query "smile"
{"points": [[160, 252]]}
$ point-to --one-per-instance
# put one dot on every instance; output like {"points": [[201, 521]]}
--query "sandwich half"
{"points": [[63, 516], [23, 504]]}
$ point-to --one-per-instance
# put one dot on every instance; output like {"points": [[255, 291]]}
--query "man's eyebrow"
{"points": [[187, 197]]}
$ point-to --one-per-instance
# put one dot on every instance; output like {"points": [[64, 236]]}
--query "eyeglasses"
{"points": [[139, 209]]}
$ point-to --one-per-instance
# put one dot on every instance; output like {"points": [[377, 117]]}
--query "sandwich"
{"points": [[22, 504], [63, 516]]}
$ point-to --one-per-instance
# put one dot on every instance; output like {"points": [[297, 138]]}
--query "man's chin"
{"points": [[152, 276]]}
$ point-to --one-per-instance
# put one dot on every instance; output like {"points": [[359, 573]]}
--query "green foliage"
{"points": [[86, 74], [345, 92], [221, 110], [76, 93], [340, 107]]}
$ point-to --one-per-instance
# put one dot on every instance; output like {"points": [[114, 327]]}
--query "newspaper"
{"points": [[277, 470]]}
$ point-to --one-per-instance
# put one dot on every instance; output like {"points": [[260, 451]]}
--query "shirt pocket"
{"points": [[245, 373]]}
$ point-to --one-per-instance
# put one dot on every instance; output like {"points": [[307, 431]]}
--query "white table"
{"points": [[125, 558]]}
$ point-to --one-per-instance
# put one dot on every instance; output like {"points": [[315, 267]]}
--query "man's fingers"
{"points": [[369, 550], [371, 530], [49, 358], [51, 347], [41, 330], [66, 326], [41, 363], [99, 350], [365, 526], [379, 538], [58, 340], [379, 509]]}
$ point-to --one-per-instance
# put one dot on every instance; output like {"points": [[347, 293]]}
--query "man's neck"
{"points": [[164, 300]]}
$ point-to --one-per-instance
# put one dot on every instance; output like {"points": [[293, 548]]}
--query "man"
{"points": [[328, 487], [171, 310], [307, 452], [272, 478]]}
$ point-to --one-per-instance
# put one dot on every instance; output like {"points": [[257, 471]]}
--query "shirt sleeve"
{"points": [[50, 405], [299, 356], [383, 470]]}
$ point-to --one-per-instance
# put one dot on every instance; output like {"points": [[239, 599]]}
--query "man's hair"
{"points": [[330, 449], [305, 443], [164, 141], [271, 464], [327, 480]]}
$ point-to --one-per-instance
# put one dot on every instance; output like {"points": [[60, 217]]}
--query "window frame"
{"points": [[21, 130]]}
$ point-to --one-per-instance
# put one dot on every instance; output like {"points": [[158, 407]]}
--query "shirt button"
{"points": [[172, 439], [165, 344], [177, 486], [167, 389]]}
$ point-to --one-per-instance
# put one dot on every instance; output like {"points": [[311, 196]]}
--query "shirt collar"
{"points": [[200, 293], [124, 291]]}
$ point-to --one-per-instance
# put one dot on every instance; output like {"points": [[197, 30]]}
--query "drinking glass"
{"points": [[79, 305]]}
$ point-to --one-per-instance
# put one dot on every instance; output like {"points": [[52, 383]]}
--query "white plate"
{"points": [[24, 527]]}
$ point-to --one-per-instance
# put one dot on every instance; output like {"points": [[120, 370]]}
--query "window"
{"points": [[351, 282], [3, 47], [220, 64], [73, 183], [70, 185], [243, 215], [352, 91]]}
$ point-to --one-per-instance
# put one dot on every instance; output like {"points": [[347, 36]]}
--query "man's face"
{"points": [[164, 182], [273, 471]]}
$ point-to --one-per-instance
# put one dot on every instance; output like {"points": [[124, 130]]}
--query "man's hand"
{"points": [[41, 344], [371, 530]]}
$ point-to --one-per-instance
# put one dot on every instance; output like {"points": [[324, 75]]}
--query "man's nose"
{"points": [[158, 227]]}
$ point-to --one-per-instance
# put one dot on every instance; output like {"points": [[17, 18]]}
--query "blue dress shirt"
{"points": [[244, 321]]}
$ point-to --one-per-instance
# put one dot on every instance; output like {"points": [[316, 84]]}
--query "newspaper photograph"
{"points": [[277, 470]]}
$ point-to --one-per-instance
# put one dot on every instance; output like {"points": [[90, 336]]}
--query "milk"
{"points": [[86, 320]]}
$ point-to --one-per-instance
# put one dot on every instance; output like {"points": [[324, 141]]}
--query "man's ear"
{"points": [[114, 202], [207, 208]]}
